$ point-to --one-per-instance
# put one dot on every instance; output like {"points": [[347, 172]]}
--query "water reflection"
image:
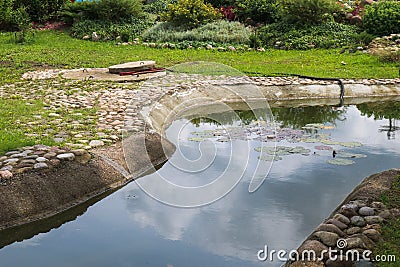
{"points": [[383, 110]]}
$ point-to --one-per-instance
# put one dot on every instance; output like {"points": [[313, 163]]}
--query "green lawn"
{"points": [[59, 49], [13, 114]]}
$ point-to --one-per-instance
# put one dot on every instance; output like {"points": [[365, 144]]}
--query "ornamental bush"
{"points": [[221, 31], [117, 10], [325, 35], [190, 13], [382, 18], [310, 12], [256, 11], [6, 15], [41, 10]]}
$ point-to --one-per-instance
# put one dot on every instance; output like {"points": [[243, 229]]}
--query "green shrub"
{"points": [[158, 7], [311, 12], [326, 35], [41, 10], [382, 18], [190, 13], [23, 22], [105, 10], [74, 12], [107, 30], [6, 15], [256, 11], [219, 3], [117, 10], [219, 32]]}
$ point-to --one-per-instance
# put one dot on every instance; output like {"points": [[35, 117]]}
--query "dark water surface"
{"points": [[129, 228]]}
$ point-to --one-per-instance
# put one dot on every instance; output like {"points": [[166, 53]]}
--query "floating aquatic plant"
{"points": [[340, 161], [269, 157], [350, 144], [282, 150], [343, 154], [322, 147], [197, 139]]}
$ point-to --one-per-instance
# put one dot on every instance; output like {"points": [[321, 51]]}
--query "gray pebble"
{"points": [[40, 165], [41, 159], [373, 219], [66, 156], [358, 221], [366, 211]]}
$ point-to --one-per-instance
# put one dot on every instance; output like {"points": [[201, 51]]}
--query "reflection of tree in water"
{"points": [[300, 116], [229, 118], [389, 110], [289, 117]]}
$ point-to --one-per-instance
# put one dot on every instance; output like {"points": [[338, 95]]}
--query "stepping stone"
{"points": [[132, 66]]}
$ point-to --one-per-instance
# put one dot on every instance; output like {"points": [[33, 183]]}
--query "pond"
{"points": [[304, 185]]}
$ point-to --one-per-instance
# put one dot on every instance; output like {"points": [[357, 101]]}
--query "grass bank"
{"points": [[390, 244]]}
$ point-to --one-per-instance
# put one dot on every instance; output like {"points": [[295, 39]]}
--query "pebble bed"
{"points": [[38, 157], [356, 227]]}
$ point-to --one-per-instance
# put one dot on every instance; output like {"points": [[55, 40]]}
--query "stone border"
{"points": [[356, 222]]}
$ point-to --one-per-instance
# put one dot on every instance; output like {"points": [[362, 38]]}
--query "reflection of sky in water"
{"points": [[129, 228]]}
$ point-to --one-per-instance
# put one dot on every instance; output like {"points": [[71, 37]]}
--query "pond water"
{"points": [[129, 228]]}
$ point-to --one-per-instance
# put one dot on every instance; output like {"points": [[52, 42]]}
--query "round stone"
{"points": [[353, 230], [50, 155], [41, 159], [96, 143], [341, 218], [373, 234], [312, 245], [6, 174], [373, 219], [327, 238], [354, 242], [66, 156], [366, 211], [358, 221], [40, 165]]}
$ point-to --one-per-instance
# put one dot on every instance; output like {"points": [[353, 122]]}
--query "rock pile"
{"points": [[386, 45], [38, 157], [352, 231]]}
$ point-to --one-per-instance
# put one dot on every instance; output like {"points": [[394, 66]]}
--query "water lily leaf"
{"points": [[310, 140], [299, 150], [197, 139], [340, 161], [350, 144], [269, 157], [343, 154], [322, 147], [204, 134], [267, 149], [329, 142]]}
